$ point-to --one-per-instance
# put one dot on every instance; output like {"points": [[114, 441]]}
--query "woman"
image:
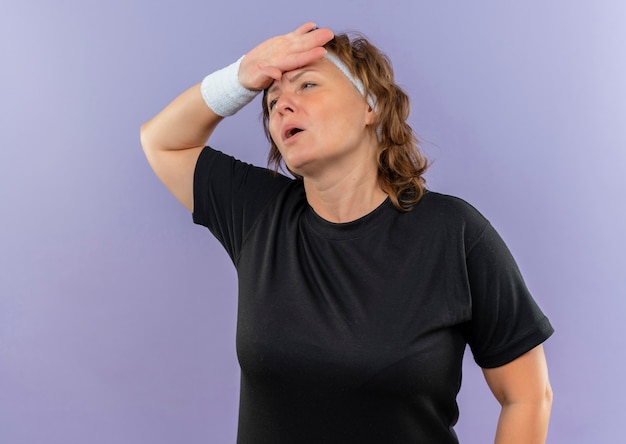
{"points": [[358, 288]]}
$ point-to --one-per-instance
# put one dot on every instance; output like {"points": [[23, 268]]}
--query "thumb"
{"points": [[272, 72]]}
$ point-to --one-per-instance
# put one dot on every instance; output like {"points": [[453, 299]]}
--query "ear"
{"points": [[370, 115]]}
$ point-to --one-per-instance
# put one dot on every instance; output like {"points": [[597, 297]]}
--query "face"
{"points": [[319, 121]]}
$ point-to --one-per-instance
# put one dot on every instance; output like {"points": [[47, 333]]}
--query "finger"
{"points": [[305, 27], [309, 36], [311, 39], [293, 61], [304, 58], [320, 36]]}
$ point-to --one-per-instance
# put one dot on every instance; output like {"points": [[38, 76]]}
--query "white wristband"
{"points": [[223, 93]]}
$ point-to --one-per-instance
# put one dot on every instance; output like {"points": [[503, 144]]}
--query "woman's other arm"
{"points": [[522, 388]]}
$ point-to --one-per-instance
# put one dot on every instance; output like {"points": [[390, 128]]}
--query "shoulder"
{"points": [[221, 168], [450, 219], [239, 191], [444, 207]]}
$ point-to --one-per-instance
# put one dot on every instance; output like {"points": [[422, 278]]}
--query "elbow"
{"points": [[548, 398], [540, 406], [144, 137], [537, 402], [542, 401]]}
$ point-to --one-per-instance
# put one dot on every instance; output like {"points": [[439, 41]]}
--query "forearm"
{"points": [[187, 122], [524, 423]]}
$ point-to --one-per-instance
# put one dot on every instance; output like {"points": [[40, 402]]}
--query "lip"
{"points": [[286, 132]]}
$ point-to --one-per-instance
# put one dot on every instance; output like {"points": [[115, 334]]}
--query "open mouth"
{"points": [[292, 132]]}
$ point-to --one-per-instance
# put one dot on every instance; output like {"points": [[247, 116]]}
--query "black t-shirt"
{"points": [[355, 332]]}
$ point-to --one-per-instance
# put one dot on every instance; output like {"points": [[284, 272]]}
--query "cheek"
{"points": [[274, 131], [344, 122], [344, 113]]}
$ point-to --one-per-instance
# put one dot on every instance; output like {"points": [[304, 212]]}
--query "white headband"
{"points": [[371, 99]]}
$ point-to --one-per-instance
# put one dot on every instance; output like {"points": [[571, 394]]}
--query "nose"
{"points": [[286, 103]]}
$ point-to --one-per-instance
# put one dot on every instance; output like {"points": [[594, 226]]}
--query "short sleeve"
{"points": [[506, 320], [229, 196]]}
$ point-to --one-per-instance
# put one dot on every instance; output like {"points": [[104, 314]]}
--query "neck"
{"points": [[346, 197]]}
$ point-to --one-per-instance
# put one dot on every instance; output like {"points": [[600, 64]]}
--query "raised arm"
{"points": [[523, 389], [173, 139]]}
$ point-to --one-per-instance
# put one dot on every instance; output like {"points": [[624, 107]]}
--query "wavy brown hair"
{"points": [[401, 165]]}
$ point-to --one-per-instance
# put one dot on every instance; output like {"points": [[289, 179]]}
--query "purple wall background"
{"points": [[117, 314]]}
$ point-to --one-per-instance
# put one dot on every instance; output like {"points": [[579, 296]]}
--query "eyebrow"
{"points": [[292, 79]]}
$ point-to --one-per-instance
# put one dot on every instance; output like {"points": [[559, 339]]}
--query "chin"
{"points": [[295, 171], [296, 164]]}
